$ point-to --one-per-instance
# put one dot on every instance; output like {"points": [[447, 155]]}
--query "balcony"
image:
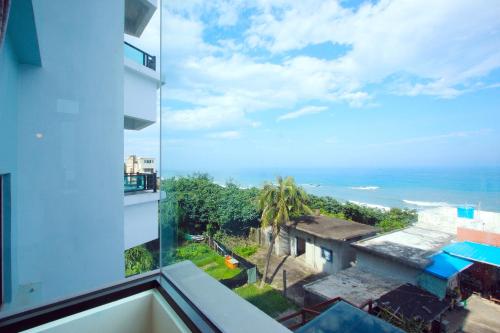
{"points": [[140, 209], [134, 182], [138, 13], [179, 298], [139, 56], [141, 82]]}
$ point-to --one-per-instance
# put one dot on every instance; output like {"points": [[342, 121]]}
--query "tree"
{"points": [[278, 203], [138, 260]]}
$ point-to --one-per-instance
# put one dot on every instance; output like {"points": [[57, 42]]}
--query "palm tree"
{"points": [[278, 202]]}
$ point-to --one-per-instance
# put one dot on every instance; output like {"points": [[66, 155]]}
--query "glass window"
{"points": [[326, 254]]}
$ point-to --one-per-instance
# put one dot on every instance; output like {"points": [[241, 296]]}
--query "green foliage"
{"points": [[239, 245], [195, 204], [266, 299], [397, 219], [246, 251], [204, 257], [282, 201], [199, 205], [393, 219], [138, 260]]}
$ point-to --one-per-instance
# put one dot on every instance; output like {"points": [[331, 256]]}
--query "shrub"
{"points": [[138, 260]]}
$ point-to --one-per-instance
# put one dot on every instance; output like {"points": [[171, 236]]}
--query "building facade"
{"points": [[136, 164], [64, 102], [323, 243]]}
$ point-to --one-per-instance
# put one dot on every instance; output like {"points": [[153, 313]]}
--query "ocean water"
{"points": [[417, 188]]}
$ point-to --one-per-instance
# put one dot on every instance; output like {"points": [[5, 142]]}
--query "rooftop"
{"points": [[345, 318], [476, 252], [353, 284], [412, 246], [411, 302], [331, 228]]}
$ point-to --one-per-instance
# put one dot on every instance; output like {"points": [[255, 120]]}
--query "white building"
{"points": [[322, 242], [66, 91], [135, 164]]}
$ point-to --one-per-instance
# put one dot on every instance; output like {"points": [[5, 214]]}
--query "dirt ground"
{"points": [[297, 274], [479, 316]]}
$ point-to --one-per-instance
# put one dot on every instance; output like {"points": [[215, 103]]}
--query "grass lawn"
{"points": [[267, 299], [207, 259]]}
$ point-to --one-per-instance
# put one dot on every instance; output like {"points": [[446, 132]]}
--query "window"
{"points": [[326, 254]]}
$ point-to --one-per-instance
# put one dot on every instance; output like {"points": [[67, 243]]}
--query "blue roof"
{"points": [[476, 252], [445, 266], [345, 318]]}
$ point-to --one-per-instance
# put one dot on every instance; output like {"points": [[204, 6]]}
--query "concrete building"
{"points": [[64, 105], [402, 254], [136, 164], [65, 99], [386, 261], [322, 242], [478, 226]]}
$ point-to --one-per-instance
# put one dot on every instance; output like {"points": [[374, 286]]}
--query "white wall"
{"points": [[141, 218], [386, 267], [68, 219], [141, 84]]}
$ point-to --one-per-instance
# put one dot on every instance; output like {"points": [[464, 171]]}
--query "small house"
{"points": [[322, 242]]}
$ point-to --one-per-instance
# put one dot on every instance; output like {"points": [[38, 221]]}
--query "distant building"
{"points": [[136, 164], [323, 242]]}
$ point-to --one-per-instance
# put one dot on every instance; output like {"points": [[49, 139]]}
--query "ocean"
{"points": [[416, 188]]}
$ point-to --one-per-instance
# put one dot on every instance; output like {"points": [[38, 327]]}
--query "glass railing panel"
{"points": [[139, 56]]}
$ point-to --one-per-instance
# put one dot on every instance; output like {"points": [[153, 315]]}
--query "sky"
{"points": [[324, 84]]}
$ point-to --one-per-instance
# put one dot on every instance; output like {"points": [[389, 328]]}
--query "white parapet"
{"points": [[141, 85], [140, 218]]}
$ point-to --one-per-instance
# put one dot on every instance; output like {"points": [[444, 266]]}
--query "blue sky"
{"points": [[274, 83]]}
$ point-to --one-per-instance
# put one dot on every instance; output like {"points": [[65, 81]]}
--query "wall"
{"points": [[386, 267], [8, 152], [61, 117], [342, 252], [140, 84], [141, 218]]}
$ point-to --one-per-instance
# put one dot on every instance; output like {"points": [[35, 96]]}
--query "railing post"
{"points": [[284, 282]]}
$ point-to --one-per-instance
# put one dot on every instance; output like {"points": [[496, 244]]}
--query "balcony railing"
{"points": [[135, 182], [140, 56]]}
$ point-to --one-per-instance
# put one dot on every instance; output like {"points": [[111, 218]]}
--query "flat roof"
{"points": [[331, 228], [345, 318], [412, 245], [353, 284], [487, 254], [410, 301]]}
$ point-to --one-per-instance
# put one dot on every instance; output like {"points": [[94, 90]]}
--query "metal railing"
{"points": [[140, 56], [134, 182]]}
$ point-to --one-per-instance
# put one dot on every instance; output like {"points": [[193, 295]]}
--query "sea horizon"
{"points": [[414, 188]]}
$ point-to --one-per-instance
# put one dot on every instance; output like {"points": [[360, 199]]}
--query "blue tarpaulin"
{"points": [[465, 212], [345, 318], [446, 266], [476, 252]]}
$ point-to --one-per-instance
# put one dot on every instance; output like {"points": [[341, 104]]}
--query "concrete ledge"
{"points": [[225, 309]]}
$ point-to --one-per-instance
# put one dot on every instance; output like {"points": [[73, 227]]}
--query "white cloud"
{"points": [[448, 43], [201, 118], [407, 47], [224, 135], [308, 110], [439, 137]]}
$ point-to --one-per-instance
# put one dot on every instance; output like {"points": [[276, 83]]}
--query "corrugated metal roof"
{"points": [[345, 318], [476, 252], [446, 266]]}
